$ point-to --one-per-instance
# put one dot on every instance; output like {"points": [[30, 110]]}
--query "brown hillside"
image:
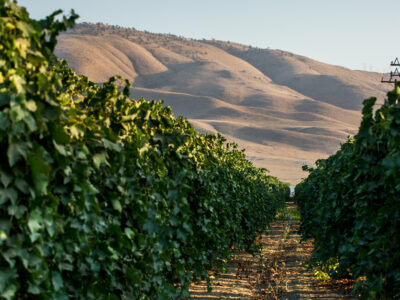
{"points": [[286, 110]]}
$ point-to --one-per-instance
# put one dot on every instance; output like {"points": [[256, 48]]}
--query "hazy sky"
{"points": [[352, 33]]}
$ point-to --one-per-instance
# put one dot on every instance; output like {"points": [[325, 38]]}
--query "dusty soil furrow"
{"points": [[277, 272]]}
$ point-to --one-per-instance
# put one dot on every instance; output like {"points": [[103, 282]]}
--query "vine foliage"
{"points": [[350, 204], [103, 197]]}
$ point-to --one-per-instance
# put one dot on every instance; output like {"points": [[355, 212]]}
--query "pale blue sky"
{"points": [[358, 34]]}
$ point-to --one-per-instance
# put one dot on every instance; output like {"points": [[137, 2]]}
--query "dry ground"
{"points": [[278, 272]]}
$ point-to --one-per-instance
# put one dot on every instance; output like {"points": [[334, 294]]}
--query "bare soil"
{"points": [[278, 272]]}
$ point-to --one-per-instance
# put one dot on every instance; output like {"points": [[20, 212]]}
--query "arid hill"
{"points": [[286, 110]]}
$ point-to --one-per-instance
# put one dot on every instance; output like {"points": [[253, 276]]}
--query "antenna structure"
{"points": [[394, 75]]}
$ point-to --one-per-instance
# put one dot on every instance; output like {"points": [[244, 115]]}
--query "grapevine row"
{"points": [[350, 204], [104, 197]]}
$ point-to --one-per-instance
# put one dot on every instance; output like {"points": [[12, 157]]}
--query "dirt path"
{"points": [[276, 273]]}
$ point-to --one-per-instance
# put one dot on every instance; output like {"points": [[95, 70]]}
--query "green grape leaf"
{"points": [[40, 170]]}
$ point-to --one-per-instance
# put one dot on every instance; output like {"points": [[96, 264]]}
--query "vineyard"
{"points": [[350, 204], [107, 197], [103, 197]]}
